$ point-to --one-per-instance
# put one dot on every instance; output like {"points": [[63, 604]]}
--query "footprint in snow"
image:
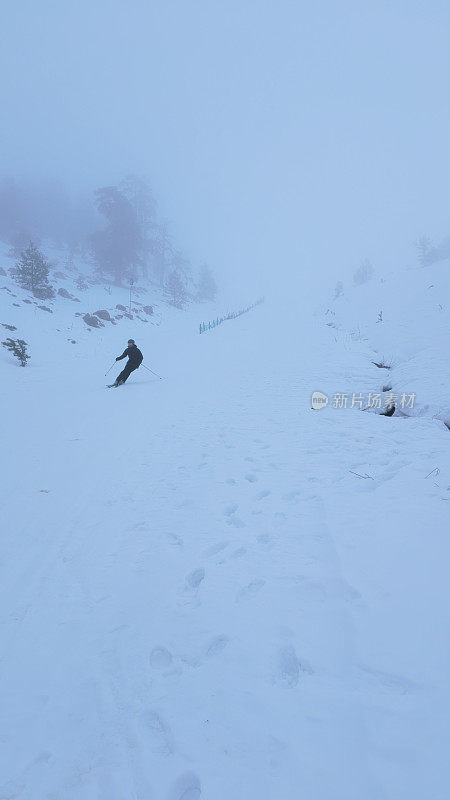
{"points": [[291, 496], [194, 579], [159, 733], [250, 590], [187, 787], [236, 521], [251, 477], [230, 510], [160, 658], [261, 495], [174, 539], [188, 595], [351, 594], [289, 666], [241, 551], [216, 646], [140, 526], [396, 683], [215, 548]]}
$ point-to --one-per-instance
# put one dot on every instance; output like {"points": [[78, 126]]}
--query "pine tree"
{"points": [[117, 247], [161, 249], [339, 290], [32, 272], [206, 287], [364, 273], [426, 253], [139, 194], [18, 348], [175, 290]]}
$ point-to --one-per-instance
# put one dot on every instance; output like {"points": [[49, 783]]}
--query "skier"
{"points": [[135, 358]]}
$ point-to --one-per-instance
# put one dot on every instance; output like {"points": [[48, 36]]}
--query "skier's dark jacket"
{"points": [[134, 354]]}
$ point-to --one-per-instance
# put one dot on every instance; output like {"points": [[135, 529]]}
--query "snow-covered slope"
{"points": [[403, 322], [209, 590], [79, 314]]}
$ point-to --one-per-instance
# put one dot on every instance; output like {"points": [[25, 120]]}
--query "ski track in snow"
{"points": [[200, 598]]}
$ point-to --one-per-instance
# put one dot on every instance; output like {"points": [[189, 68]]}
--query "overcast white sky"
{"points": [[281, 135]]}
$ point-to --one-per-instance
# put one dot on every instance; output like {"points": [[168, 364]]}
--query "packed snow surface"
{"points": [[210, 591]]}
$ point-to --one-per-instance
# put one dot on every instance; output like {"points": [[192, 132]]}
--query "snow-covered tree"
{"points": [[162, 249], [31, 272], [139, 194], [364, 273], [206, 286], [426, 252], [117, 247], [338, 290], [175, 290]]}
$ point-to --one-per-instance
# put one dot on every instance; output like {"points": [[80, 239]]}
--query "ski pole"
{"points": [[110, 368], [153, 373]]}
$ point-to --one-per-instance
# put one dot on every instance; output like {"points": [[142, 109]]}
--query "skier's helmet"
{"points": [[131, 341]]}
